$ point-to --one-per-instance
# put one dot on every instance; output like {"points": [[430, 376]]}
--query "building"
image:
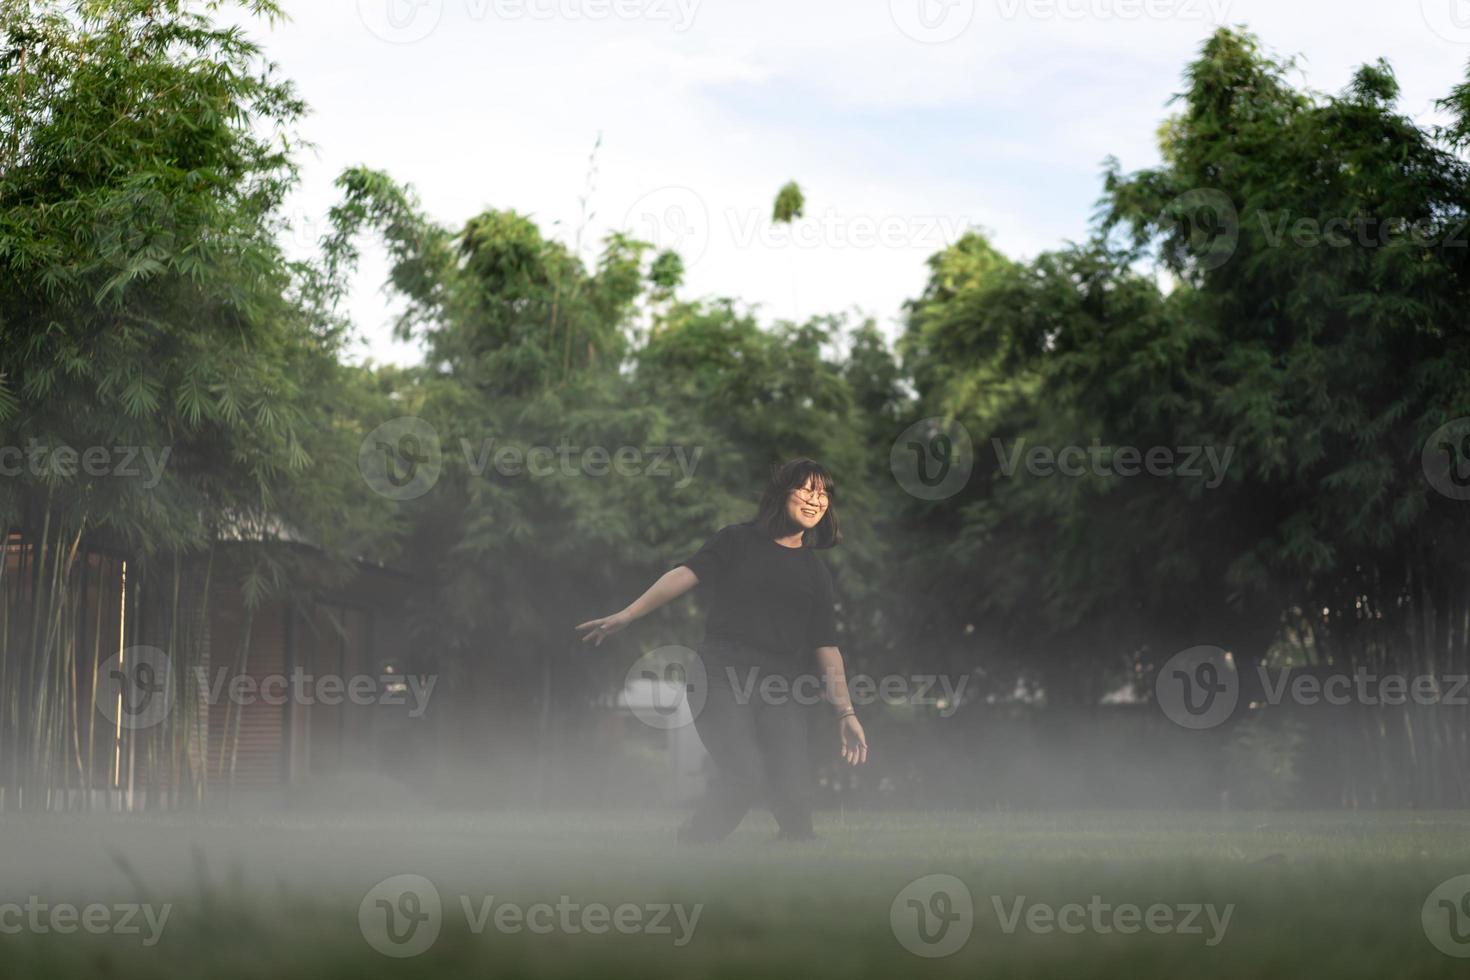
{"points": [[138, 683]]}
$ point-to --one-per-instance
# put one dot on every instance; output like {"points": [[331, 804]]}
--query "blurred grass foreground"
{"points": [[1078, 894]]}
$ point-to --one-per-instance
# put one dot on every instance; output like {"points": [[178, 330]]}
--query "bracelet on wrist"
{"points": [[847, 713]]}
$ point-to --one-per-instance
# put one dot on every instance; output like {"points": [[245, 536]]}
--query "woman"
{"points": [[770, 617]]}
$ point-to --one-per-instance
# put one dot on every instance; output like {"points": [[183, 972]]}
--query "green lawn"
{"points": [[1310, 895]]}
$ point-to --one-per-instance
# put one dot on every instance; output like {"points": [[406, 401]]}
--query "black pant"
{"points": [[757, 743]]}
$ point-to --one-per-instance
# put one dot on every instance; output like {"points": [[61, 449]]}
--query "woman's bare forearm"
{"points": [[672, 584], [834, 678]]}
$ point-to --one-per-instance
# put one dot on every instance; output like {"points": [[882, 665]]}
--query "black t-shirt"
{"points": [[763, 594]]}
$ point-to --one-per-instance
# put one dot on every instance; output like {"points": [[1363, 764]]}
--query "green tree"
{"points": [[145, 305]]}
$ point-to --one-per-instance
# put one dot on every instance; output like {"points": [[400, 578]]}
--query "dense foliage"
{"points": [[1308, 339]]}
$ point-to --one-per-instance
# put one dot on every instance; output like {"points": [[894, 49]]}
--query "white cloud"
{"points": [[1004, 126]]}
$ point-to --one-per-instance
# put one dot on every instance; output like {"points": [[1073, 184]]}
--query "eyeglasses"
{"points": [[806, 494]]}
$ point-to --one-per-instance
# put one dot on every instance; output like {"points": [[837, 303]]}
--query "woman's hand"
{"points": [[854, 742], [670, 585], [605, 627]]}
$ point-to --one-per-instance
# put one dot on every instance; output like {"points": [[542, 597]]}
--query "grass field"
{"points": [[1309, 895]]}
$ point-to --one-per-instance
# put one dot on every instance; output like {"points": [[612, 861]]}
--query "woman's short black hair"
{"points": [[786, 477]]}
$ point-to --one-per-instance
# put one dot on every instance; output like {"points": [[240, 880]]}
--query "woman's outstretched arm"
{"points": [[672, 584]]}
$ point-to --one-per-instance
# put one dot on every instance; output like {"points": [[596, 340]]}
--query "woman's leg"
{"points": [[727, 729], [781, 733]]}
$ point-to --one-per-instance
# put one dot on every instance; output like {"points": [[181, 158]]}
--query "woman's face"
{"points": [[807, 505]]}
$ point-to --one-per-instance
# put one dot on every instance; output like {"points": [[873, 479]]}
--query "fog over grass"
{"points": [[1302, 894]]}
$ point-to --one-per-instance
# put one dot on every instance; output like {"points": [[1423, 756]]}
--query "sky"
{"points": [[905, 122]]}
